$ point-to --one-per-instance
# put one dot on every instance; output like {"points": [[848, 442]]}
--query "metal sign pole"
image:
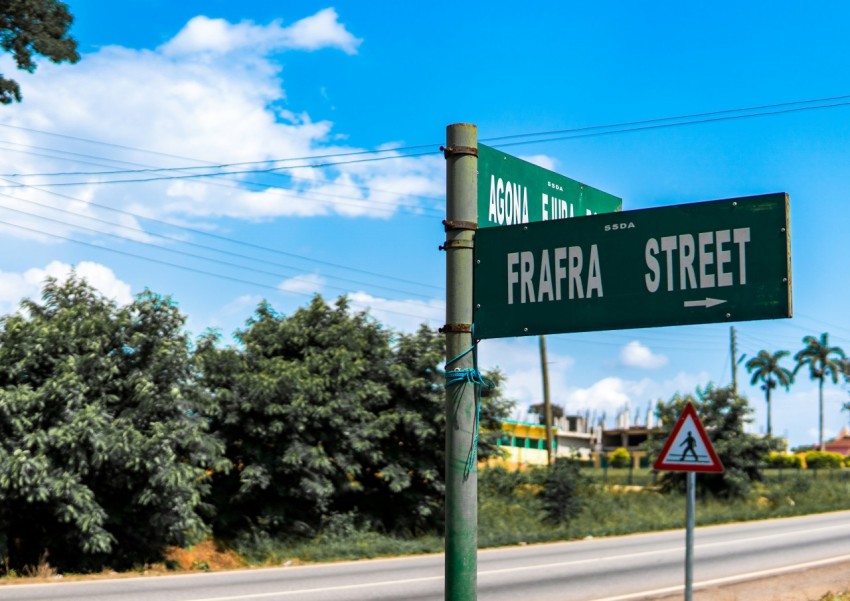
{"points": [[461, 567], [689, 536]]}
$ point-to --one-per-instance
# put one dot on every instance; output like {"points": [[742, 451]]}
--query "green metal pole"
{"points": [[690, 513], [461, 153]]}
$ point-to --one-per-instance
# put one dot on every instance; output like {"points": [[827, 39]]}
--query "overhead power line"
{"points": [[588, 131], [185, 158], [186, 268], [235, 241], [671, 125], [220, 173], [663, 119], [329, 199], [189, 243]]}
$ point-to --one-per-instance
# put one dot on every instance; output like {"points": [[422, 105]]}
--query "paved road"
{"points": [[613, 569]]}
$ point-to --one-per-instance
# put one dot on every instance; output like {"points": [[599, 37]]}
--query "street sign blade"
{"points": [[513, 191], [717, 261], [688, 448]]}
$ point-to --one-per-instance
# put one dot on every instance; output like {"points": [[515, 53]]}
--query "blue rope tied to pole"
{"points": [[457, 377]]}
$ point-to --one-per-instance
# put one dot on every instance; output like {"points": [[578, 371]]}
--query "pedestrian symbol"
{"points": [[688, 448], [691, 443]]}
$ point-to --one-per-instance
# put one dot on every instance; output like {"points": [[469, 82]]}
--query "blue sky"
{"points": [[189, 84]]}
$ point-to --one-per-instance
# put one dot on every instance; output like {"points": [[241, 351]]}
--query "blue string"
{"points": [[472, 376]]}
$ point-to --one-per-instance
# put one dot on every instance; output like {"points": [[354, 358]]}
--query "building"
{"points": [[839, 444], [581, 436]]}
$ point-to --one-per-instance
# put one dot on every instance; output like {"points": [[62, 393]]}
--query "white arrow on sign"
{"points": [[707, 302]]}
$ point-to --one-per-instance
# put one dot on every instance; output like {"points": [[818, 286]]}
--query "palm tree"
{"points": [[822, 360], [765, 367]]}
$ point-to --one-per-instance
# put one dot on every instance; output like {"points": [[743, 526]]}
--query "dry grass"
{"points": [[205, 556]]}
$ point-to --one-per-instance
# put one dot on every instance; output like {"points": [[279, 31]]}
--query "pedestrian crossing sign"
{"points": [[688, 448]]}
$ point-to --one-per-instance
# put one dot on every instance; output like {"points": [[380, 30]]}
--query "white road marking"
{"points": [[729, 579], [560, 564]]}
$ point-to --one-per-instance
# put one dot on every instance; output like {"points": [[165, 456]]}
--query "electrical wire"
{"points": [[235, 241], [377, 205], [663, 119], [189, 243], [255, 162], [221, 173], [191, 269], [670, 125], [634, 125]]}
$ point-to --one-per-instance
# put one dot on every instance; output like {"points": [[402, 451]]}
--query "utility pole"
{"points": [[734, 351], [461, 560], [547, 403]]}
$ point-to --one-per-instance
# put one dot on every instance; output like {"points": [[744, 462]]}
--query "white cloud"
{"points": [[402, 315], [635, 354], [16, 286], [218, 36], [541, 160], [309, 283], [214, 93], [611, 393], [519, 359]]}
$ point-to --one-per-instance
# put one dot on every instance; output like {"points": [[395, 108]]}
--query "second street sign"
{"points": [[717, 261], [512, 191]]}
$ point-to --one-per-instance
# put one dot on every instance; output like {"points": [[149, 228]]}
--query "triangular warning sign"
{"points": [[688, 448]]}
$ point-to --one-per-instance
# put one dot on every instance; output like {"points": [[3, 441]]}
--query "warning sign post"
{"points": [[688, 449]]}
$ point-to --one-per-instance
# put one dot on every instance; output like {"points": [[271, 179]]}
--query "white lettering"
{"points": [[706, 258], [724, 256], [509, 205], [500, 201], [668, 245], [560, 270], [576, 289], [526, 273], [513, 276], [686, 262], [652, 281], [594, 278], [525, 205], [741, 236], [544, 286], [491, 212]]}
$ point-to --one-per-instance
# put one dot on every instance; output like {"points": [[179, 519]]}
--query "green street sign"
{"points": [[717, 261], [512, 191]]}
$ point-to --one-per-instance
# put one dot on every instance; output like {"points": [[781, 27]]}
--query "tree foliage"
{"points": [[822, 361], [559, 493], [117, 437], [30, 27], [103, 448], [724, 415], [765, 367], [540, 410], [324, 413]]}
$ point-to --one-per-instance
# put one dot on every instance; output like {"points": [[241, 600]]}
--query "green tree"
{"points": [[299, 410], [620, 458], [560, 487], [724, 415], [822, 360], [326, 413], [540, 411], [104, 450], [29, 27], [766, 367]]}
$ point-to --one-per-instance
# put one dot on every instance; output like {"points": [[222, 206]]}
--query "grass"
{"points": [[609, 510], [513, 514]]}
